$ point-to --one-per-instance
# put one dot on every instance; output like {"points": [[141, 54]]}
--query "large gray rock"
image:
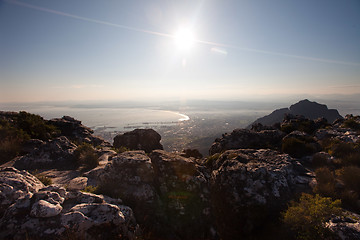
{"points": [[244, 138], [130, 175], [57, 153], [51, 212], [250, 186], [168, 192], [139, 139]]}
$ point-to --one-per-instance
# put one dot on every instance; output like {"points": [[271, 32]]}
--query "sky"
{"points": [[52, 50]]}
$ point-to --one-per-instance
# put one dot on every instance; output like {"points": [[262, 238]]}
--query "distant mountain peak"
{"points": [[306, 108]]}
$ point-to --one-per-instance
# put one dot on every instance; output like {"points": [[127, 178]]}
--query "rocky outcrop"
{"points": [[139, 139], [191, 153], [249, 187], [15, 184], [74, 130], [130, 175], [39, 212], [168, 193], [345, 227], [244, 138], [183, 191], [306, 108], [57, 153]]}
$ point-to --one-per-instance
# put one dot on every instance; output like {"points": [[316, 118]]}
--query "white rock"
{"points": [[44, 209]]}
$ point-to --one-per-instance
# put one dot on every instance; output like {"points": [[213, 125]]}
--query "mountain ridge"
{"points": [[306, 108]]}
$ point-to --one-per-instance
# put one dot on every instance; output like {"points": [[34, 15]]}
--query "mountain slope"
{"points": [[308, 109]]}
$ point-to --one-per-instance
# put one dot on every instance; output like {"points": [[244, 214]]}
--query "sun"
{"points": [[184, 39]]}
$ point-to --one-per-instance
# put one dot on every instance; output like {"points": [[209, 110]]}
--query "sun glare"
{"points": [[184, 39]]}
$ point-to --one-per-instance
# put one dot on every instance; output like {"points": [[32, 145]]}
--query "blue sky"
{"points": [[52, 50]]}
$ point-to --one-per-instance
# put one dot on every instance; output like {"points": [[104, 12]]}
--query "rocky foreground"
{"points": [[143, 192]]}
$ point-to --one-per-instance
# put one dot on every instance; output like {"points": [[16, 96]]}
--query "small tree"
{"points": [[307, 217]]}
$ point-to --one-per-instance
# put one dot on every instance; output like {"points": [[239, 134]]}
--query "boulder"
{"points": [[38, 212], [244, 138], [251, 187], [57, 153], [139, 139]]}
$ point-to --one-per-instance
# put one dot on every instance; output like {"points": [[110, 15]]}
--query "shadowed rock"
{"points": [[139, 139], [168, 193], [251, 186], [243, 138]]}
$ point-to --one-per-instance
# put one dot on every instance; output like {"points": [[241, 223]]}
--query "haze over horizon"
{"points": [[154, 50]]}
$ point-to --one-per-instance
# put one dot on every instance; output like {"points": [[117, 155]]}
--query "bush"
{"points": [[297, 148], [91, 189], [121, 149], [350, 176], [347, 153], [304, 125], [34, 125], [342, 149], [211, 159], [11, 140], [325, 182], [85, 155], [351, 123], [44, 179], [307, 217], [319, 160]]}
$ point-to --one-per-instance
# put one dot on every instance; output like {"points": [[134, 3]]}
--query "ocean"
{"points": [[107, 119]]}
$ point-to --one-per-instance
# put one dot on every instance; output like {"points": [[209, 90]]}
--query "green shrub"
{"points": [[325, 182], [44, 179], [351, 123], [85, 155], [307, 217], [34, 125], [121, 149], [297, 148], [350, 176], [11, 140], [211, 159], [304, 125], [287, 128], [351, 159], [319, 160], [347, 153], [342, 149], [91, 189], [349, 199]]}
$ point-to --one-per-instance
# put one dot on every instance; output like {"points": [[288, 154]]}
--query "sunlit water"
{"points": [[112, 119]]}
